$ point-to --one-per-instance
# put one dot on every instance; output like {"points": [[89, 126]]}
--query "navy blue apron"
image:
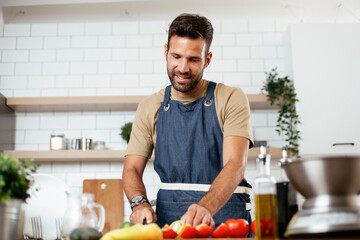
{"points": [[189, 147]]}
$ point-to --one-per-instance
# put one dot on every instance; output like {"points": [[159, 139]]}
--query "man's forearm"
{"points": [[222, 187], [132, 185], [132, 180], [235, 152]]}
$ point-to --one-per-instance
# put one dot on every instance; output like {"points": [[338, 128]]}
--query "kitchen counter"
{"points": [[328, 238]]}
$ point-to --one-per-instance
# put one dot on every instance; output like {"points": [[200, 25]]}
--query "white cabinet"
{"points": [[326, 71]]}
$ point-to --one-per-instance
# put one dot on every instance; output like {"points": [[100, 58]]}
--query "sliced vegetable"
{"points": [[178, 226], [168, 232], [204, 231], [222, 231], [189, 232]]}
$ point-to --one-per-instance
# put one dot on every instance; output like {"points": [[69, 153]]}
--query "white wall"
{"points": [[77, 59], [124, 58], [27, 11]]}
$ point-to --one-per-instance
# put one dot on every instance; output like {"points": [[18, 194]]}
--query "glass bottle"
{"points": [[266, 212], [80, 212]]}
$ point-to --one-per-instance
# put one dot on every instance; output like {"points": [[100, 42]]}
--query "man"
{"points": [[201, 134]]}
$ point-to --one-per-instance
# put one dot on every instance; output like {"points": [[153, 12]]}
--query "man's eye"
{"points": [[176, 56], [195, 59]]}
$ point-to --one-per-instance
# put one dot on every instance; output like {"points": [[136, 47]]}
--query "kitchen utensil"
{"points": [[287, 205], [286, 197], [75, 144], [47, 202], [109, 193], [36, 226], [330, 185], [58, 223], [80, 213], [85, 143]]}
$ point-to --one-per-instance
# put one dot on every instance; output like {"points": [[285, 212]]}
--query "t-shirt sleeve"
{"points": [[141, 142], [237, 116]]}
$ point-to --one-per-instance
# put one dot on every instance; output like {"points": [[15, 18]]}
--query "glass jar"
{"points": [[99, 145], [57, 141]]}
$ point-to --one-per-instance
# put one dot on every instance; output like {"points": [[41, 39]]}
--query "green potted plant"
{"points": [[126, 131], [14, 184], [281, 92]]}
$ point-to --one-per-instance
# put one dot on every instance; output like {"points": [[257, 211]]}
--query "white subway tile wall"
{"points": [[123, 58]]}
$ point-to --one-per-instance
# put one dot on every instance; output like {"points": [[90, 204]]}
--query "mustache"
{"points": [[186, 74]]}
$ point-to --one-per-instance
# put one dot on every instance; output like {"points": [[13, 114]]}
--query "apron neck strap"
{"points": [[167, 94], [210, 91]]}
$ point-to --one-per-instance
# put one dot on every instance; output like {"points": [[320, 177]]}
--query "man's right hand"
{"points": [[143, 213]]}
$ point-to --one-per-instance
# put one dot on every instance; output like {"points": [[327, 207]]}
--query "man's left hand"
{"points": [[196, 215]]}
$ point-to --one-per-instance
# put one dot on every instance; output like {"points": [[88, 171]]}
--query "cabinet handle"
{"points": [[337, 144]]}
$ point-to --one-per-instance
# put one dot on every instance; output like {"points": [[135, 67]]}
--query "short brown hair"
{"points": [[193, 26]]}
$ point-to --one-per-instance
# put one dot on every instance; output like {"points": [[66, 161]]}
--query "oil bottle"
{"points": [[266, 211]]}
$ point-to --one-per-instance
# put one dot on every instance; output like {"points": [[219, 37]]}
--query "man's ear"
{"points": [[208, 59], [165, 50]]}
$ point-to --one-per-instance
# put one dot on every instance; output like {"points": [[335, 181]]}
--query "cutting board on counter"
{"points": [[109, 193]]}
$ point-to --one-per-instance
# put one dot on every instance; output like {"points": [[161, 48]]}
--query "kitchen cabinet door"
{"points": [[326, 70]]}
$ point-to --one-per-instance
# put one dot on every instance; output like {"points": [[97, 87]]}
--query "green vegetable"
{"points": [[85, 233], [125, 225], [14, 177]]}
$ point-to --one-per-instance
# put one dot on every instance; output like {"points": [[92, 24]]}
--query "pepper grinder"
{"points": [[286, 197]]}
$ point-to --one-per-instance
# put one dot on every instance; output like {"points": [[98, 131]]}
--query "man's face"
{"points": [[186, 62]]}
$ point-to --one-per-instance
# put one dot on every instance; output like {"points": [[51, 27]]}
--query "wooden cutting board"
{"points": [[109, 193]]}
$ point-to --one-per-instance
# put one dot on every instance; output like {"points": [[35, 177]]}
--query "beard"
{"points": [[190, 84]]}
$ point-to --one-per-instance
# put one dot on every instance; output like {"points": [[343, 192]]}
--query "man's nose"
{"points": [[184, 66]]}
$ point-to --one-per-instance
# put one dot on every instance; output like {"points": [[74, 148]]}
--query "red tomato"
{"points": [[189, 232], [203, 231], [168, 232], [239, 227], [222, 231], [253, 227], [245, 228]]}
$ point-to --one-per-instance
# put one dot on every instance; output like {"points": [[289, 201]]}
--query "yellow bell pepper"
{"points": [[136, 232]]}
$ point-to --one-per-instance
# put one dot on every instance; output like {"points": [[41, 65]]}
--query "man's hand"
{"points": [[143, 213], [196, 215]]}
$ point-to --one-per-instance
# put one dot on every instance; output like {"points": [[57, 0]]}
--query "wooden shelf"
{"points": [[99, 103], [259, 102], [101, 155], [74, 104], [69, 155]]}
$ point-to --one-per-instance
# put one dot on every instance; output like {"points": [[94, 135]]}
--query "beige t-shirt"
{"points": [[232, 109]]}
